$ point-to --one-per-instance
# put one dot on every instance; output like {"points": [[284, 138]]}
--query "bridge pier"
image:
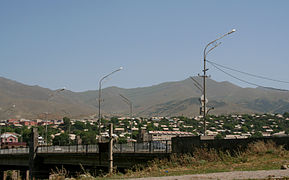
{"points": [[11, 174], [32, 153]]}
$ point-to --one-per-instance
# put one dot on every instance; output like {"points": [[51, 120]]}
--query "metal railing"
{"points": [[69, 149], [15, 151], [150, 147]]}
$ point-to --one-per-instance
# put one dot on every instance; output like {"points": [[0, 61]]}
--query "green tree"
{"points": [[257, 135], [135, 134], [122, 140], [219, 136], [244, 129], [79, 125], [66, 124], [62, 139], [26, 135], [286, 115], [88, 137]]}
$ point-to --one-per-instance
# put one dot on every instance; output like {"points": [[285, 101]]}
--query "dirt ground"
{"points": [[263, 174]]}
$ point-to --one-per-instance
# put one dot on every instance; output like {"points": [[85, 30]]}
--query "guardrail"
{"points": [[15, 151], [69, 149], [151, 146]]}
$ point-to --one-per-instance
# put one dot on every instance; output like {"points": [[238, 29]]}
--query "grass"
{"points": [[258, 156]]}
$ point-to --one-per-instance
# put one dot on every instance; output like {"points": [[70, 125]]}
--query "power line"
{"points": [[254, 84], [253, 75]]}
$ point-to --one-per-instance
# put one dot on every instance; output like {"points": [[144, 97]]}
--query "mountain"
{"points": [[35, 101], [181, 98], [166, 99]]}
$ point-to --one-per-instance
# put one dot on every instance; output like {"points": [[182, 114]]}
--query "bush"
{"points": [[261, 147], [206, 154]]}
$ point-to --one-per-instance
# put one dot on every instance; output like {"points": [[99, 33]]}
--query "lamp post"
{"points": [[126, 100], [206, 52], [46, 113], [99, 97]]}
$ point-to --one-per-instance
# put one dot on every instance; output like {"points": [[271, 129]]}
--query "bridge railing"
{"points": [[69, 149], [15, 151], [132, 147], [150, 146]]}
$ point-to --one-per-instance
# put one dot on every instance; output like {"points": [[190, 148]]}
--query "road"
{"points": [[262, 174]]}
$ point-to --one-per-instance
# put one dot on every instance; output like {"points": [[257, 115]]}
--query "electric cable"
{"points": [[242, 80], [249, 74]]}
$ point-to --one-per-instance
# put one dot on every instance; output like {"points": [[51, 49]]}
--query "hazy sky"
{"points": [[74, 43]]}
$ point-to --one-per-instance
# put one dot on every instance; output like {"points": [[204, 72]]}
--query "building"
{"points": [[9, 137], [10, 140]]}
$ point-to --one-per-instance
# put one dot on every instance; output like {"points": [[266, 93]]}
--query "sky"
{"points": [[73, 44]]}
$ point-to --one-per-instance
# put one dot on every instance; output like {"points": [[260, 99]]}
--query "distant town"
{"points": [[16, 132]]}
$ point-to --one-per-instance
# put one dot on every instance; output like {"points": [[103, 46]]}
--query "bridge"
{"points": [[73, 157]]}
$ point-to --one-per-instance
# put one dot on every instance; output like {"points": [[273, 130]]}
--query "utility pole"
{"points": [[204, 76], [110, 149], [52, 95]]}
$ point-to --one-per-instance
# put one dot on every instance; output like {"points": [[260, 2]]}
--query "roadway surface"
{"points": [[262, 174]]}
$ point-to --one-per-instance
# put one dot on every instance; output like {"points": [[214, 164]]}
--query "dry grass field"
{"points": [[258, 156]]}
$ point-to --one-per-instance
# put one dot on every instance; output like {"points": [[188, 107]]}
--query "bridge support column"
{"points": [[15, 174], [24, 174], [32, 153], [4, 175]]}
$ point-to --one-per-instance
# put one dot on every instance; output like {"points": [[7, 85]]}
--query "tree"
{"points": [[122, 140], [135, 134], [26, 135], [286, 115], [88, 137], [257, 135], [244, 129], [219, 136], [79, 125], [66, 123], [62, 139]]}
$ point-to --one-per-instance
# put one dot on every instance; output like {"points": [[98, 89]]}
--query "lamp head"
{"points": [[120, 68], [61, 89], [233, 30]]}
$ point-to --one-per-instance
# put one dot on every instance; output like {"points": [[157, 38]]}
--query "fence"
{"points": [[15, 151], [151, 146], [69, 149]]}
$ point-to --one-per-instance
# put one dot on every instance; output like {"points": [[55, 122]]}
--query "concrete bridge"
{"points": [[74, 157]]}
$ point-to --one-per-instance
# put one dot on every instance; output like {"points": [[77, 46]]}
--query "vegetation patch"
{"points": [[258, 156]]}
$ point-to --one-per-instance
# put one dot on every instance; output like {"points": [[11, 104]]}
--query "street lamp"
{"points": [[206, 52], [99, 96], [211, 108], [52, 95], [126, 100]]}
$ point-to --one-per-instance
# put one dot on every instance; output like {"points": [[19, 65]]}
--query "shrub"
{"points": [[261, 147], [206, 154]]}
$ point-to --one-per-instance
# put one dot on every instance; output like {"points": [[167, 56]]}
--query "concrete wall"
{"points": [[188, 144]]}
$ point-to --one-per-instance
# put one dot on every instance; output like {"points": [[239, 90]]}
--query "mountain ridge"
{"points": [[164, 99]]}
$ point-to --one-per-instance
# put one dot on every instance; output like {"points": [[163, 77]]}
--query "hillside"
{"points": [[35, 101], [166, 99]]}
